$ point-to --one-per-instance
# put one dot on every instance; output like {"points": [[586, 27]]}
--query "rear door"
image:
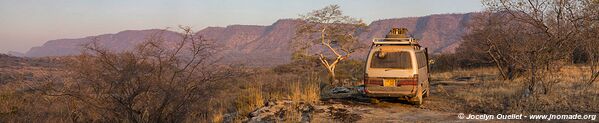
{"points": [[395, 63]]}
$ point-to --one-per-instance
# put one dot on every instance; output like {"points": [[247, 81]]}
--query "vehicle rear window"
{"points": [[399, 60]]}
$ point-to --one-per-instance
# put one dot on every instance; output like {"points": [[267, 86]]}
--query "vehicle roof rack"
{"points": [[397, 41], [396, 36]]}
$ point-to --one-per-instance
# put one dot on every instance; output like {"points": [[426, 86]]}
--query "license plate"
{"points": [[389, 82]]}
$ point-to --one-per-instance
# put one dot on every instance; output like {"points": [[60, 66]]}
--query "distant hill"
{"points": [[441, 33], [269, 45], [124, 40], [15, 53]]}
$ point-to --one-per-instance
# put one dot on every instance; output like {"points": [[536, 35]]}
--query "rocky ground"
{"points": [[348, 105]]}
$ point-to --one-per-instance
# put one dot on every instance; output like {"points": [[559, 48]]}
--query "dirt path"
{"points": [[440, 106]]}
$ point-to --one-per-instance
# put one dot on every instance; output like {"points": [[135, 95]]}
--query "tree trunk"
{"points": [[594, 73], [330, 68], [498, 65], [332, 77], [510, 71]]}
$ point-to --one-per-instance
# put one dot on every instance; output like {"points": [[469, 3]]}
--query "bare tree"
{"points": [[487, 34], [589, 25], [331, 32], [532, 36], [159, 81]]}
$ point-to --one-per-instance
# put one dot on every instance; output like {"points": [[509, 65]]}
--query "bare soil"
{"points": [[440, 106]]}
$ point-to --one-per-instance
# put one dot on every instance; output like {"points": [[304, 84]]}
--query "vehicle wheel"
{"points": [[428, 89], [417, 100]]}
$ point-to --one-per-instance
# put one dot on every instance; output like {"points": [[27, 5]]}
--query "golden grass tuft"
{"points": [[311, 92], [295, 93], [217, 116], [304, 92], [301, 93], [249, 100]]}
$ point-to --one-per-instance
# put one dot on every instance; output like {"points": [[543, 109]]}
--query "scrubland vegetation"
{"points": [[531, 57], [542, 55], [488, 93]]}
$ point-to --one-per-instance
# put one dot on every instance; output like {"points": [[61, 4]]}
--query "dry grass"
{"points": [[576, 73], [311, 93], [8, 103], [266, 86], [19, 101], [568, 95], [218, 116], [296, 93], [304, 92], [249, 100], [301, 93], [233, 103], [484, 72]]}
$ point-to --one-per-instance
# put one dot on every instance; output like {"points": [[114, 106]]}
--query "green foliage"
{"points": [[349, 70], [352, 70], [300, 64], [330, 35], [328, 26]]}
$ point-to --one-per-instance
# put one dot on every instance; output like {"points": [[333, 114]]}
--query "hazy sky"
{"points": [[28, 23]]}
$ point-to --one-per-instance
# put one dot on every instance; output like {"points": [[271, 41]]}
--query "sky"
{"points": [[28, 23]]}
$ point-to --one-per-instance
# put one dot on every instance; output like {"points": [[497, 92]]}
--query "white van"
{"points": [[397, 66]]}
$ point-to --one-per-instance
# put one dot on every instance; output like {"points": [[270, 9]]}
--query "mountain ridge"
{"points": [[267, 45]]}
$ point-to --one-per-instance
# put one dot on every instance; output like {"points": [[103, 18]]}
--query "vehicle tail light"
{"points": [[373, 81], [408, 81]]}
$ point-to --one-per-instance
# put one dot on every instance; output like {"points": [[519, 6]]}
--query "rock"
{"points": [[337, 90], [229, 117], [275, 111], [342, 113], [360, 89]]}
